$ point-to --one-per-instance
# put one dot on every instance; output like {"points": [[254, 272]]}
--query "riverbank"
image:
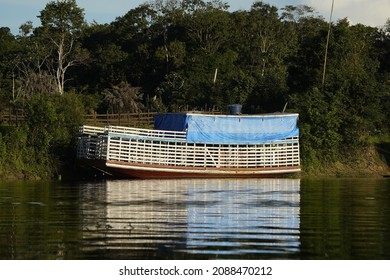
{"points": [[360, 169], [372, 161]]}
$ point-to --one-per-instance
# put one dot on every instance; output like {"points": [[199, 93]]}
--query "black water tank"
{"points": [[235, 109]]}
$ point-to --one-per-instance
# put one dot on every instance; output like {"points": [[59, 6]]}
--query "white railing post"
{"points": [[108, 153]]}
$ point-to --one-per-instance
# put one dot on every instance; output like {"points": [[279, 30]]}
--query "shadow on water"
{"points": [[38, 220], [383, 150], [345, 219], [196, 219]]}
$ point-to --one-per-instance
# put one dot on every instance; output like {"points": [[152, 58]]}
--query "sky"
{"points": [[13, 13]]}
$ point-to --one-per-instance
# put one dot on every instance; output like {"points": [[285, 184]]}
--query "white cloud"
{"points": [[367, 12]]}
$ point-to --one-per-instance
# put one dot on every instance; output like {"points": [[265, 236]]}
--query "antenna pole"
{"points": [[215, 75], [327, 44]]}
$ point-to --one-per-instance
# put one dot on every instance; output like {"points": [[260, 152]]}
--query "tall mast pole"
{"points": [[326, 48]]}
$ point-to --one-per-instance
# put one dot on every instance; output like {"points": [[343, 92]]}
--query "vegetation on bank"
{"points": [[46, 141], [166, 55]]}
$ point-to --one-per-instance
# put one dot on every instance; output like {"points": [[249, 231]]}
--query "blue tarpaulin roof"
{"points": [[171, 121], [230, 129]]}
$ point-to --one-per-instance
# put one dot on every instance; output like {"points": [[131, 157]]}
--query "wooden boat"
{"points": [[193, 145]]}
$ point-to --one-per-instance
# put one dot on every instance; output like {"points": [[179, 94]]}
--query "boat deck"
{"points": [[123, 147]]}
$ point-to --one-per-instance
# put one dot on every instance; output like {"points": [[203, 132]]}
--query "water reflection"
{"points": [[192, 218], [188, 219]]}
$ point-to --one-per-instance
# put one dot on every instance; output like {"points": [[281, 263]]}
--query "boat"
{"points": [[195, 145]]}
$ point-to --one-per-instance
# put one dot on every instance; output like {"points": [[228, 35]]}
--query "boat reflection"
{"points": [[195, 218]]}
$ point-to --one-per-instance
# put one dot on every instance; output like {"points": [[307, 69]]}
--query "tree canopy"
{"points": [[170, 54]]}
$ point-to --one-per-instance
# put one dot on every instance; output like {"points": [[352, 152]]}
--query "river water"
{"points": [[196, 219]]}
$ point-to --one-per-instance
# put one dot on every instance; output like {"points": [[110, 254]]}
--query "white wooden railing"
{"points": [[123, 131], [169, 148], [149, 134], [92, 147], [276, 154], [91, 130]]}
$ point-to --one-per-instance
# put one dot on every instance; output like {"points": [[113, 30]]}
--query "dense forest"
{"points": [[171, 55]]}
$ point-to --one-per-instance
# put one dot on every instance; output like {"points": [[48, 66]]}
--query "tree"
{"points": [[124, 98], [353, 70], [338, 120], [269, 44], [166, 15], [133, 34], [383, 46], [30, 62], [8, 46], [384, 49], [298, 13], [62, 25], [305, 65], [206, 25]]}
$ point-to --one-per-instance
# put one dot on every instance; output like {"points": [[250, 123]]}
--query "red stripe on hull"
{"points": [[126, 170], [175, 175]]}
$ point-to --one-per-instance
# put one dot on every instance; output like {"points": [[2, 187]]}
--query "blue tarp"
{"points": [[228, 129], [171, 121], [240, 129]]}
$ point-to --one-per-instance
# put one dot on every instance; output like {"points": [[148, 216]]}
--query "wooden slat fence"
{"points": [[16, 116], [126, 119], [141, 120], [11, 116]]}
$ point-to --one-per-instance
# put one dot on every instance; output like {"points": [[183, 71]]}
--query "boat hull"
{"points": [[153, 154], [144, 171]]}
